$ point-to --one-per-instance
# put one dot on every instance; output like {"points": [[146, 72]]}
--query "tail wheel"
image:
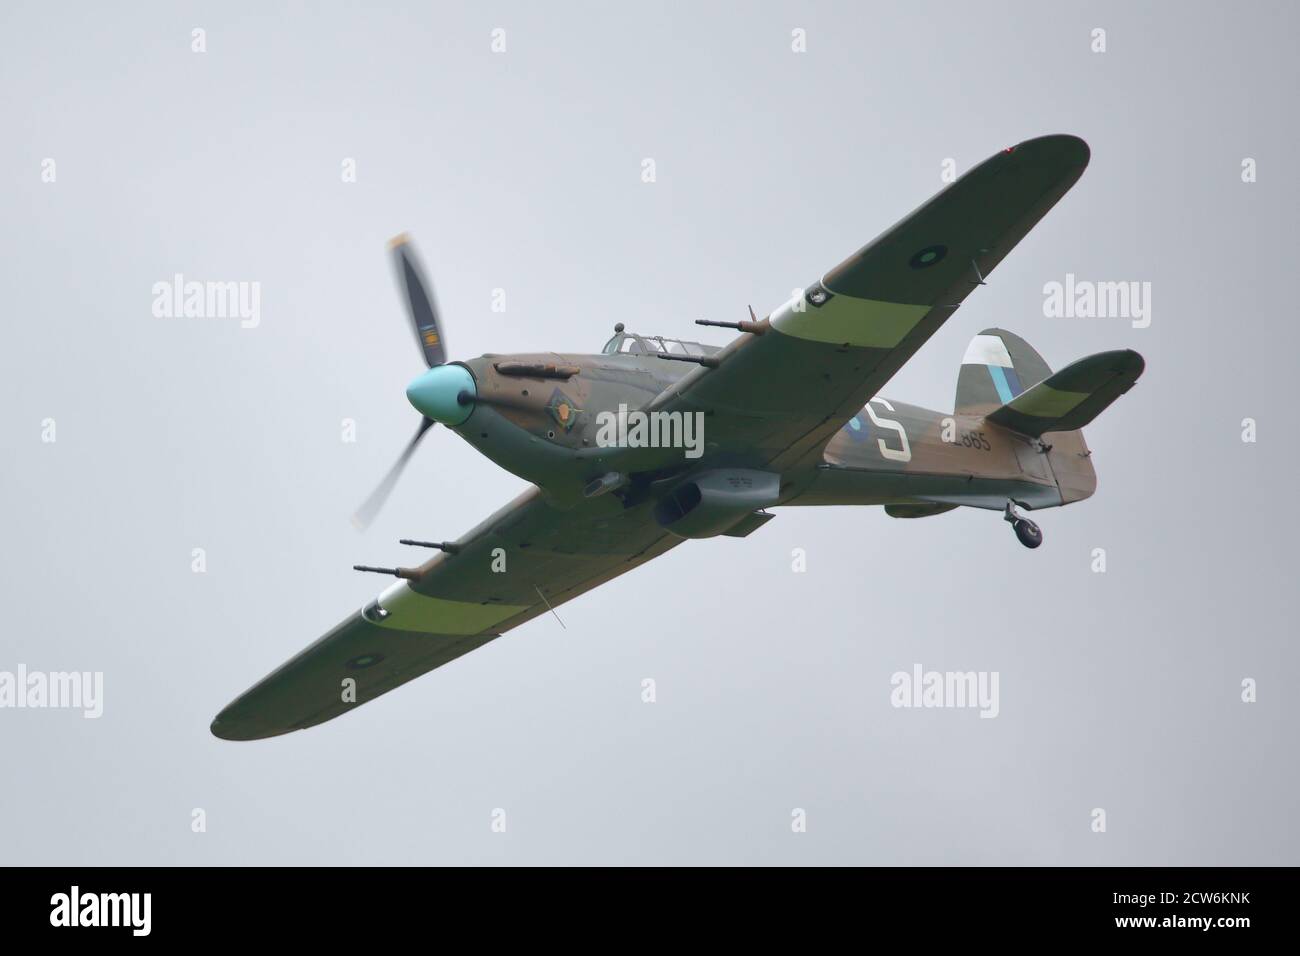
{"points": [[1030, 535]]}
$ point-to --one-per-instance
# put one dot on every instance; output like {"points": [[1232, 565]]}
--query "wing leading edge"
{"points": [[508, 570], [780, 396]]}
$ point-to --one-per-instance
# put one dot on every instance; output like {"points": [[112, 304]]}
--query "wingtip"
{"points": [[399, 240], [1136, 363], [221, 730], [1074, 150], [243, 729]]}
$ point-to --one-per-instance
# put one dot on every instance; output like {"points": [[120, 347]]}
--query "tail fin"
{"points": [[1006, 381], [1072, 397], [997, 367]]}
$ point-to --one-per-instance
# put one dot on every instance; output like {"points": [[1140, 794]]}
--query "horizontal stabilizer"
{"points": [[1073, 397]]}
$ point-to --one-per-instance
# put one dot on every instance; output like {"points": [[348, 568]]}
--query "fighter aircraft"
{"points": [[787, 413]]}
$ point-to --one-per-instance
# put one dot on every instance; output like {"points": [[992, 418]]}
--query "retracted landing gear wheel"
{"points": [[1028, 532]]}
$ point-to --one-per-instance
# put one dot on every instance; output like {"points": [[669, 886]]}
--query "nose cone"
{"points": [[436, 394]]}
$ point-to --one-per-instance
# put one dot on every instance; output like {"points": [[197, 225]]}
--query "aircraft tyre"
{"points": [[1030, 535]]}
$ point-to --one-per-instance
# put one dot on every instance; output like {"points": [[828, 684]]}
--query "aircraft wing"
{"points": [[830, 349], [461, 602]]}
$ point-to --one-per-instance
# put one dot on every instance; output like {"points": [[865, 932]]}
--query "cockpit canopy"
{"points": [[629, 343]]}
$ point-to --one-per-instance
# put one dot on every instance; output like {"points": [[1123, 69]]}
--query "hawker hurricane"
{"points": [[654, 441]]}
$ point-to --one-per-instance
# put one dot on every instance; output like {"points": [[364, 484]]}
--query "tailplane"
{"points": [[1004, 380], [1071, 398]]}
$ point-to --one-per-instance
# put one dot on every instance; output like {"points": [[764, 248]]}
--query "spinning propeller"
{"points": [[445, 393]]}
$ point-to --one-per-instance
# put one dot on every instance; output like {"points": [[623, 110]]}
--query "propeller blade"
{"points": [[366, 513], [419, 301]]}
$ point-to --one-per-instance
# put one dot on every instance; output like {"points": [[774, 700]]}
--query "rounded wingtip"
{"points": [[235, 723], [1135, 362], [228, 729], [399, 240], [222, 730], [1064, 147]]}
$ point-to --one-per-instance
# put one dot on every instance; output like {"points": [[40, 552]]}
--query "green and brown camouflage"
{"points": [[790, 416]]}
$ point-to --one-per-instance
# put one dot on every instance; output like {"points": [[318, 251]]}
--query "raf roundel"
{"points": [[928, 257]]}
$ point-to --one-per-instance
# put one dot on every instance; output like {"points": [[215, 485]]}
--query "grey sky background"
{"points": [[521, 171]]}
